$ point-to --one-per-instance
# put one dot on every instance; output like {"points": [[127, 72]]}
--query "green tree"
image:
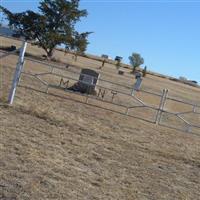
{"points": [[136, 60], [53, 25], [79, 43]]}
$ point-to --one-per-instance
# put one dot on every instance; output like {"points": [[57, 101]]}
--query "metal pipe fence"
{"points": [[104, 94], [180, 115], [149, 106], [53, 66], [131, 105]]}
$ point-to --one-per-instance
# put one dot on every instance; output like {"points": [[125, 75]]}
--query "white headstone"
{"points": [[138, 83]]}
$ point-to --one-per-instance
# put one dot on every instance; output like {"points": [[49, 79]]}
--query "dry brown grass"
{"points": [[52, 148]]}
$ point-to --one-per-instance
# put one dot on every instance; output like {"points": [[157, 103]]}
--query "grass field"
{"points": [[51, 148]]}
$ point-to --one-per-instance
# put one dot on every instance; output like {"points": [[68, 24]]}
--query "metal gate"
{"points": [[57, 80]]}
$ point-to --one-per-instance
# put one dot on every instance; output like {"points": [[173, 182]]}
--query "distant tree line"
{"points": [[54, 24]]}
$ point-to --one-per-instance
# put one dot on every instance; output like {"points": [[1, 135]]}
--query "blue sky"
{"points": [[165, 33]]}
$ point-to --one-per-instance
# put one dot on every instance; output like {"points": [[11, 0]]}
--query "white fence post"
{"points": [[161, 106], [17, 72]]}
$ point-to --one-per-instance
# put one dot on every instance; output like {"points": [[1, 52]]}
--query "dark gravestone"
{"points": [[104, 56], [87, 81], [120, 72], [13, 48], [118, 58]]}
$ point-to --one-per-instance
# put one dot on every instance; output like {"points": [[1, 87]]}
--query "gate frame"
{"points": [[160, 109]]}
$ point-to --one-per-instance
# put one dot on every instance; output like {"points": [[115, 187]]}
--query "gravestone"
{"points": [[138, 77], [120, 72], [104, 56], [138, 83], [87, 81], [118, 58]]}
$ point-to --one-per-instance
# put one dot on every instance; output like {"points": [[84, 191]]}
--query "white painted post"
{"points": [[161, 106], [132, 92], [17, 72]]}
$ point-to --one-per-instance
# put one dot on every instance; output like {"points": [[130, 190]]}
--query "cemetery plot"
{"points": [[93, 88], [88, 87], [98, 87]]}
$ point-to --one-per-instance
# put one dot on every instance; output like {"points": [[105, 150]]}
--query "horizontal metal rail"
{"points": [[74, 79], [78, 73], [184, 102], [91, 96], [181, 118], [97, 106], [160, 109], [86, 103], [112, 100]]}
